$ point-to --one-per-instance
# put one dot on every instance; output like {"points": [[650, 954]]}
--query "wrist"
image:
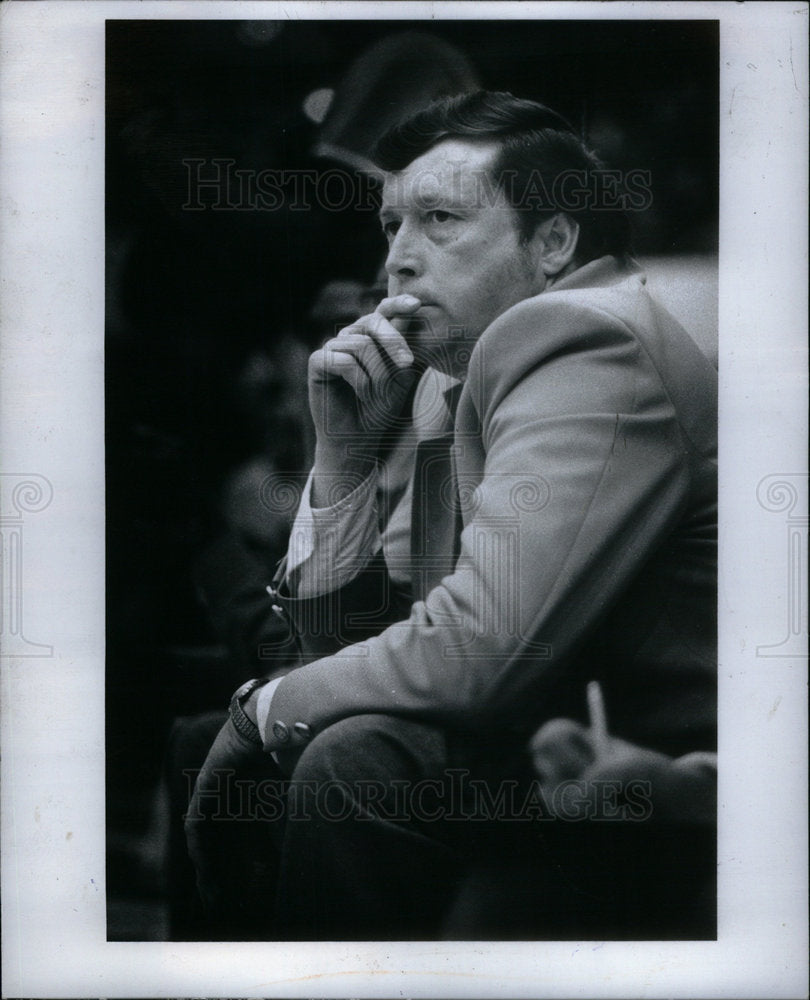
{"points": [[335, 474], [243, 710]]}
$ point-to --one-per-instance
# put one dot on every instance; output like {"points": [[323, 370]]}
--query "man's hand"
{"points": [[238, 801], [574, 768], [359, 382], [256, 707]]}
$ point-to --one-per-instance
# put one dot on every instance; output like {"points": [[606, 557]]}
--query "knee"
{"points": [[365, 747]]}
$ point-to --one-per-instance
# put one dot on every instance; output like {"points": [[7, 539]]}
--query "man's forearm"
{"points": [[362, 607], [330, 545], [338, 469]]}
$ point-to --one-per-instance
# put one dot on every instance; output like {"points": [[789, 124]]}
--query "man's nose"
{"points": [[404, 257]]}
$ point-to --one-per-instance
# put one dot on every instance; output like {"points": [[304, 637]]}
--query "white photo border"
{"points": [[52, 77]]}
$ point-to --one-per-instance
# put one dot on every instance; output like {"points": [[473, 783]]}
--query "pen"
{"points": [[598, 719]]}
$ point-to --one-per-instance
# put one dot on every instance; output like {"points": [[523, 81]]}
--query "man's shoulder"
{"points": [[604, 292], [595, 307], [600, 325]]}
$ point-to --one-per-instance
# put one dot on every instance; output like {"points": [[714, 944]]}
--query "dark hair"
{"points": [[540, 156]]}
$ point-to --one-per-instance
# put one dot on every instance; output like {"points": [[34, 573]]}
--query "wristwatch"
{"points": [[242, 723]]}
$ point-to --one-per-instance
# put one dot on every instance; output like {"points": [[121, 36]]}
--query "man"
{"points": [[557, 525]]}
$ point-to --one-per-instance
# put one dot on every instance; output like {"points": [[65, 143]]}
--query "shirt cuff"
{"points": [[329, 546], [263, 700]]}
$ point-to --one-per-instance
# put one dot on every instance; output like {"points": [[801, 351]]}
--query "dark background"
{"points": [[193, 298]]}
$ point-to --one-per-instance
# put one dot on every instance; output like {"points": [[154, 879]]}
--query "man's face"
{"points": [[453, 242]]}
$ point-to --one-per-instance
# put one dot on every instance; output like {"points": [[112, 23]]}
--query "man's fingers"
{"points": [[398, 305], [399, 311], [355, 375], [332, 362], [371, 358], [380, 327], [380, 390], [561, 750], [373, 337], [357, 347], [559, 732]]}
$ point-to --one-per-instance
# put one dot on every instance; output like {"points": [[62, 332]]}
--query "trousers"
{"points": [[376, 832], [354, 844]]}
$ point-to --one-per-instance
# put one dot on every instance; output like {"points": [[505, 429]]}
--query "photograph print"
{"points": [[411, 479]]}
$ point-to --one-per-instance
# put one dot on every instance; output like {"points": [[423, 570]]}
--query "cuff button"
{"points": [[302, 730], [281, 732]]}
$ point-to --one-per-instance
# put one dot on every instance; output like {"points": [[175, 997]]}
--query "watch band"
{"points": [[241, 722]]}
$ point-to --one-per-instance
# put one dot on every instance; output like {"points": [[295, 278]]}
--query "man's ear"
{"points": [[559, 236]]}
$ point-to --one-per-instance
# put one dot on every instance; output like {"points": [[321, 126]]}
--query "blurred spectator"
{"points": [[388, 82], [624, 847]]}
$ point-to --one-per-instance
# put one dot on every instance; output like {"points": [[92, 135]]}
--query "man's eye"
{"points": [[390, 228], [438, 215]]}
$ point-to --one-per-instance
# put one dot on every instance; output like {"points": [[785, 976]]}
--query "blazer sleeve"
{"points": [[583, 472], [361, 608]]}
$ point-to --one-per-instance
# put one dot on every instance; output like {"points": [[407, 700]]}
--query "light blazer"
{"points": [[585, 469]]}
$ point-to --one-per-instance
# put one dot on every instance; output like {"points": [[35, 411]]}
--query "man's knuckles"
{"points": [[378, 333], [397, 304]]}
